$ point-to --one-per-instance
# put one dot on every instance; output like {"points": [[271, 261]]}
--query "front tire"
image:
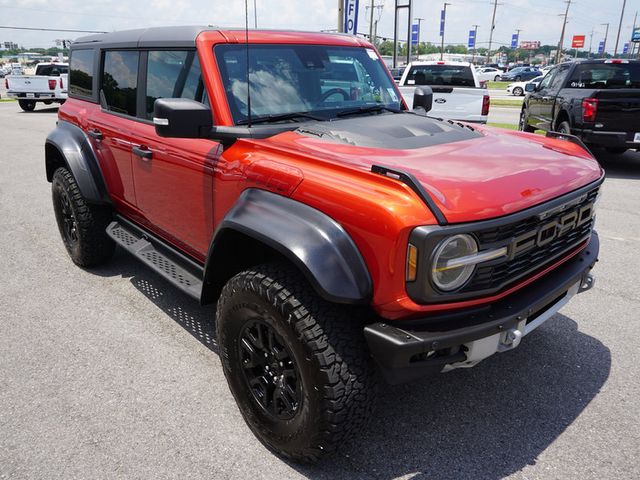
{"points": [[82, 225], [27, 105], [523, 124], [518, 91], [496, 78], [296, 365]]}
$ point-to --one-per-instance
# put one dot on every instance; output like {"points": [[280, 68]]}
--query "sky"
{"points": [[539, 20]]}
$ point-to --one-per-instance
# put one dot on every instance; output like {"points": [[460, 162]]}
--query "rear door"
{"points": [[536, 100], [553, 97], [110, 126], [173, 176]]}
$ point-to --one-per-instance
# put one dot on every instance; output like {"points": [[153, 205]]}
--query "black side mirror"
{"points": [[182, 118], [423, 98], [530, 87]]}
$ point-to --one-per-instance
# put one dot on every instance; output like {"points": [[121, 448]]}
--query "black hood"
{"points": [[395, 131]]}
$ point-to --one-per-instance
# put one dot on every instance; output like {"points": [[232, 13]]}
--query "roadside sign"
{"points": [[514, 40], [442, 15], [636, 35], [530, 45], [601, 47], [415, 33], [577, 41], [472, 39], [625, 48], [351, 16]]}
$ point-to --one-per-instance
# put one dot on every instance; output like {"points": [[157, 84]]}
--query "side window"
{"points": [[173, 74], [547, 79], [120, 81], [559, 78], [81, 73]]}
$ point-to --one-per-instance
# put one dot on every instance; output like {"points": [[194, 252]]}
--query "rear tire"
{"points": [[564, 127], [27, 105], [496, 78], [82, 225], [518, 78], [324, 392]]}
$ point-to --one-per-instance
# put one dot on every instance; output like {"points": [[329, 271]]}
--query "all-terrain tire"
{"points": [[27, 105], [523, 124], [564, 127], [324, 344], [82, 225]]}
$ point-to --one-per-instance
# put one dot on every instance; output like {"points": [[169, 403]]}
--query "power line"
{"points": [[50, 29]]}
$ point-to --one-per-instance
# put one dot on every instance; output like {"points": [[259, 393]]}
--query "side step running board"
{"points": [[178, 270]]}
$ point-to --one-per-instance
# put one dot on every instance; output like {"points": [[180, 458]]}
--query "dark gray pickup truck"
{"points": [[596, 100]]}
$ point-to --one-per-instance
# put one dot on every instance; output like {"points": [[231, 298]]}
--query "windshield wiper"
{"points": [[280, 117], [367, 109]]}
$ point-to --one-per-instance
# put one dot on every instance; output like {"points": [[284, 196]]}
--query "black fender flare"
{"points": [[78, 154], [314, 242]]}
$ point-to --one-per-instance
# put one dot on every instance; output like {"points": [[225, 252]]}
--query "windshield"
{"points": [[451, 75], [315, 79], [606, 75]]}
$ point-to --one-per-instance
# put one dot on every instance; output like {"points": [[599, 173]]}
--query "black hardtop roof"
{"points": [[180, 36]]}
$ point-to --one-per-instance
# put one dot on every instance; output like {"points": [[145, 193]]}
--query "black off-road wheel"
{"points": [[523, 124], [27, 105], [82, 225], [564, 127], [297, 366]]}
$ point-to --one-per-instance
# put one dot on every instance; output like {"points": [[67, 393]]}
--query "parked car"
{"points": [[520, 73], [340, 235], [488, 74], [596, 100], [48, 85], [518, 88], [457, 93]]}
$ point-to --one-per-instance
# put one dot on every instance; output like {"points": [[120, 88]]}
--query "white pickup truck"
{"points": [[457, 94], [48, 85]]}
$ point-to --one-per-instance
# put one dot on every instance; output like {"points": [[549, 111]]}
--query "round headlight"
{"points": [[445, 275]]}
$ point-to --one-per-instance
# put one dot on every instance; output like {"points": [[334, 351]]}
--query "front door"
{"points": [[174, 177]]}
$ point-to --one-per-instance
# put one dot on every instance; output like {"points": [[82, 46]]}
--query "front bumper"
{"points": [[408, 350]]}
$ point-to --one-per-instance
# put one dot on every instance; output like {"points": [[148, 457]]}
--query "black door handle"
{"points": [[95, 134], [142, 152]]}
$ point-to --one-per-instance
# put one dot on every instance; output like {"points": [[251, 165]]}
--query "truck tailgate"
{"points": [[453, 103], [619, 109], [28, 83]]}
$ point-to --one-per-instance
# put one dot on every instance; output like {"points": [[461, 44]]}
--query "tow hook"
{"points": [[510, 339], [587, 283]]}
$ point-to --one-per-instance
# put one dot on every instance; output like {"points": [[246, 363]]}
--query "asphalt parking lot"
{"points": [[113, 373]]}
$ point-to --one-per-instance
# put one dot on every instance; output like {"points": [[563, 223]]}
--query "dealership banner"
{"points": [[577, 41], [351, 16]]}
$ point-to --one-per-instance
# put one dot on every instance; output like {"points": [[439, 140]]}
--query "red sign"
{"points": [[530, 45], [578, 41]]}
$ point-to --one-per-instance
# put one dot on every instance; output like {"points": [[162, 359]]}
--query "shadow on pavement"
{"points": [[199, 321], [626, 165], [484, 423]]}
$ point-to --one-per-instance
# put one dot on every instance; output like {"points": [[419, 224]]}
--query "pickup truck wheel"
{"points": [[82, 225], [523, 124], [296, 365], [518, 91], [27, 105], [564, 127]]}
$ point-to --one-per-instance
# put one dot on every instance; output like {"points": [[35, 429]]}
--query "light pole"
{"points": [[444, 19], [493, 25], [606, 34], [419, 20], [615, 50]]}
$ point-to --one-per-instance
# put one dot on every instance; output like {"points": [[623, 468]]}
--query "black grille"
{"points": [[502, 274]]}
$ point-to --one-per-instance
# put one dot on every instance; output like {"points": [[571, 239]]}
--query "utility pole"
{"points": [[633, 29], [371, 22], [564, 26], [444, 19], [340, 16], [615, 50], [475, 42], [493, 25], [591, 41], [606, 34], [419, 31], [255, 15]]}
